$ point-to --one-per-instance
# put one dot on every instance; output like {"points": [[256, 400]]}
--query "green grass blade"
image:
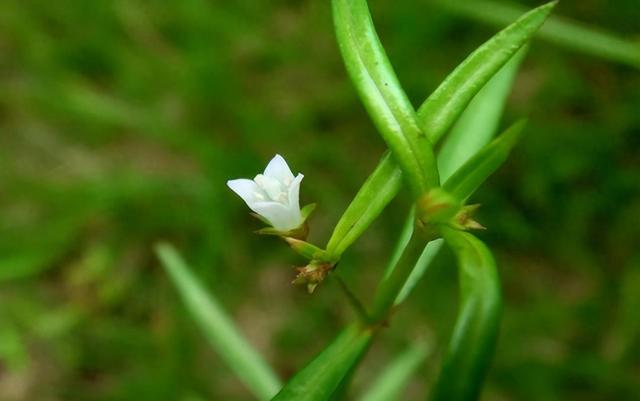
{"points": [[374, 195], [440, 111], [561, 31], [479, 122], [218, 328], [389, 386], [382, 95], [474, 172], [474, 335], [324, 374]]}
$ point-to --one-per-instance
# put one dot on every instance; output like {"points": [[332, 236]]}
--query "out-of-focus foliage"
{"points": [[121, 120]]}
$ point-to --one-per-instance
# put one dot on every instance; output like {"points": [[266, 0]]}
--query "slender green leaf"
{"points": [[429, 252], [389, 386], [426, 257], [382, 95], [479, 122], [403, 240], [474, 172], [438, 113], [474, 335], [561, 31], [219, 329], [376, 193], [324, 374]]}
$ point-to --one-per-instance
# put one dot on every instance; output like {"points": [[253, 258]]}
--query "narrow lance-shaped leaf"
{"points": [[218, 328], [561, 31], [475, 331], [376, 193], [480, 120], [382, 95], [391, 383], [324, 374], [401, 243], [474, 172], [429, 253], [438, 113]]}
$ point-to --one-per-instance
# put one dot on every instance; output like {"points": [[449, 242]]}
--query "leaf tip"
{"points": [[162, 248], [550, 5], [513, 134]]}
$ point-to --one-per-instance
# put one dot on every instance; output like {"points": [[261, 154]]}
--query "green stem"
{"points": [[355, 303]]}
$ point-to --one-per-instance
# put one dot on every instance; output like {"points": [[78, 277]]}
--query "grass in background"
{"points": [[120, 122]]}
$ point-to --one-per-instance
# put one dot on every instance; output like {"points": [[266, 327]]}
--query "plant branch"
{"points": [[355, 303]]}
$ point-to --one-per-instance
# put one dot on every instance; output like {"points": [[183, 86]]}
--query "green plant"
{"points": [[440, 185]]}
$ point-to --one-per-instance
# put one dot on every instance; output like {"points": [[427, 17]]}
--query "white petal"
{"points": [[280, 216], [278, 169], [294, 192], [248, 190], [272, 187]]}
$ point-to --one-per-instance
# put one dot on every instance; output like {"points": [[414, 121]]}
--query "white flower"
{"points": [[274, 194]]}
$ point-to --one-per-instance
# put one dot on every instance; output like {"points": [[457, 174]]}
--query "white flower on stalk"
{"points": [[273, 195]]}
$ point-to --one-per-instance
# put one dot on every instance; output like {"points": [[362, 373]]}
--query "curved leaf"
{"points": [[429, 253], [480, 120], [438, 113], [474, 335]]}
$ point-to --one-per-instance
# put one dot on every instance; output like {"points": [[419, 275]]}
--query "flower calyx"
{"points": [[313, 274], [321, 263]]}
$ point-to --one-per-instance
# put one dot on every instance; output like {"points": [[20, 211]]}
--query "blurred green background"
{"points": [[120, 122]]}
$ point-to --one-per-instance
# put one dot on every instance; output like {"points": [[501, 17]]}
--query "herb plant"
{"points": [[465, 109]]}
